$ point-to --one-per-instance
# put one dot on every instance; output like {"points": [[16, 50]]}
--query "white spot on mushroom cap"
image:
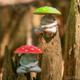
{"points": [[22, 48], [50, 8], [32, 49], [37, 10], [26, 50], [36, 47], [39, 49], [44, 9]]}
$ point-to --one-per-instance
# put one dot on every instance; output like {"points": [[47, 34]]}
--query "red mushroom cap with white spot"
{"points": [[28, 49]]}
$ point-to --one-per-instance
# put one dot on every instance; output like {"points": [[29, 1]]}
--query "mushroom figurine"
{"points": [[28, 60], [48, 22]]}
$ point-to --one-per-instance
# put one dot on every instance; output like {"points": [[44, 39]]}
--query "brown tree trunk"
{"points": [[13, 2], [77, 39], [9, 69], [7, 72], [72, 43], [13, 33], [51, 64], [16, 36]]}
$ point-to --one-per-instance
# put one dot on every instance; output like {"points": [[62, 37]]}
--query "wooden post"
{"points": [[51, 64], [72, 43], [9, 71]]}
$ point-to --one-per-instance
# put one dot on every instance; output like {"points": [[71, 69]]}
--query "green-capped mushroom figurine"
{"points": [[51, 65], [48, 22]]}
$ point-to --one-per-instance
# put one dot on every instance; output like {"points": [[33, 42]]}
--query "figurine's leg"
{"points": [[21, 70], [35, 69]]}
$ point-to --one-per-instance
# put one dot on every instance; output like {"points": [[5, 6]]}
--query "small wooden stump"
{"points": [[9, 70]]}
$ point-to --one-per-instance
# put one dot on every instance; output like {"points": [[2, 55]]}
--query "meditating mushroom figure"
{"points": [[48, 22], [28, 60]]}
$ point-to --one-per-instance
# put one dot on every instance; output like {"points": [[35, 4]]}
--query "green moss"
{"points": [[70, 61], [70, 29]]}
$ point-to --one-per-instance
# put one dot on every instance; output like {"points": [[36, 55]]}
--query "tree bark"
{"points": [[51, 64], [11, 29], [77, 39], [72, 43], [9, 70]]}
